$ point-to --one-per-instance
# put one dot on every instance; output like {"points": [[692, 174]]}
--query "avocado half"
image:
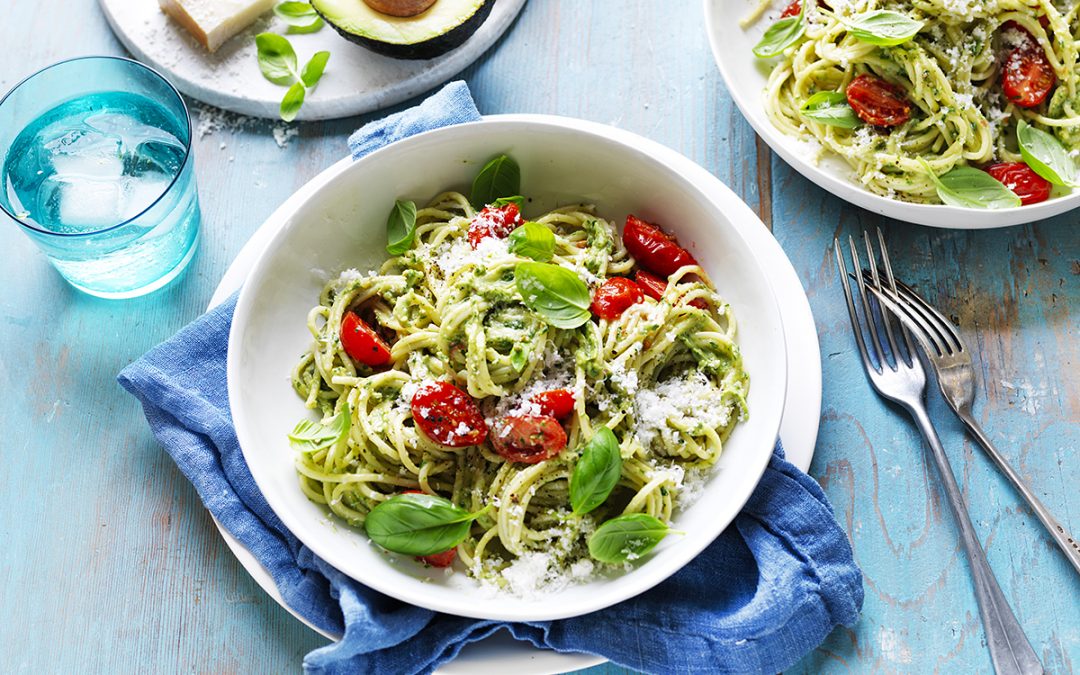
{"points": [[435, 31]]}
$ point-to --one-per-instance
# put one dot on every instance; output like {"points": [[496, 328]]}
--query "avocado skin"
{"points": [[428, 49]]}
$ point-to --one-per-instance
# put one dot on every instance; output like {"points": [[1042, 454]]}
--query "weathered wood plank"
{"points": [[106, 543]]}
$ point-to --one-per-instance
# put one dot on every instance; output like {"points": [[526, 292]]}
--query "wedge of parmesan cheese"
{"points": [[212, 22]]}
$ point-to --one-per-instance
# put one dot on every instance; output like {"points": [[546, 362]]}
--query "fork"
{"points": [[951, 361], [902, 379]]}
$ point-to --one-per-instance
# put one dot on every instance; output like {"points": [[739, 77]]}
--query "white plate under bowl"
{"points": [[745, 76], [342, 225], [500, 653], [356, 80]]}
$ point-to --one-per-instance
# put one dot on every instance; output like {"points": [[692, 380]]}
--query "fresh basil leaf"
{"points": [[971, 188], [295, 13], [883, 28], [314, 27], [830, 107], [1047, 156], [418, 524], [626, 538], [500, 177], [782, 34], [516, 199], [596, 473], [553, 292], [292, 102], [533, 240], [519, 356], [277, 59], [313, 70], [401, 227], [308, 436]]}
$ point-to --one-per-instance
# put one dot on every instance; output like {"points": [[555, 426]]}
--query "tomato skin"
{"points": [[528, 438], [1026, 74], [654, 249], [1029, 186], [614, 297], [362, 343], [878, 102], [654, 287], [791, 10], [494, 221], [557, 403], [448, 416]]}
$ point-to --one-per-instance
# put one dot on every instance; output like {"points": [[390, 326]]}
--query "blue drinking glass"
{"points": [[96, 167]]}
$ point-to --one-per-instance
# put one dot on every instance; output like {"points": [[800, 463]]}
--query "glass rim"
{"points": [[187, 142]]}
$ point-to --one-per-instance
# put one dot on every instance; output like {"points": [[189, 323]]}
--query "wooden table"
{"points": [[111, 564]]}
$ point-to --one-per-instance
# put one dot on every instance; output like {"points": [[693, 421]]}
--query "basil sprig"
{"points": [[782, 34], [500, 177], [401, 227], [418, 524], [278, 63], [596, 473], [883, 28], [553, 292], [308, 436], [830, 107], [532, 240], [516, 199], [626, 538], [300, 16], [971, 188], [1047, 156]]}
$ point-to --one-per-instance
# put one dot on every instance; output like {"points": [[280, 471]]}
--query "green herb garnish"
{"points": [[830, 107], [553, 292], [401, 227], [500, 177], [596, 472], [418, 524], [533, 240], [626, 538], [278, 63]]}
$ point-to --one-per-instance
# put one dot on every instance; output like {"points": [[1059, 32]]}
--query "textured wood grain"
{"points": [[110, 564]]}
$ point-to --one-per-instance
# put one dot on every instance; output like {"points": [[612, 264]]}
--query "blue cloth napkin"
{"points": [[765, 593]]}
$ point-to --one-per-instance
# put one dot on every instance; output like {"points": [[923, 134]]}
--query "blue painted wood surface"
{"points": [[110, 564]]}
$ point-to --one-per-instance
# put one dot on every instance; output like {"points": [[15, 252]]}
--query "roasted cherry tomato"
{"points": [[791, 10], [1026, 74], [654, 249], [528, 438], [654, 287], [878, 102], [444, 559], [362, 343], [494, 221], [557, 403], [614, 297], [1029, 186], [447, 415]]}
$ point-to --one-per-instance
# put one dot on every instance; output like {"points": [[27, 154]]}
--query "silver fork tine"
{"points": [[943, 325], [892, 284], [916, 322], [866, 307], [886, 319], [851, 306]]}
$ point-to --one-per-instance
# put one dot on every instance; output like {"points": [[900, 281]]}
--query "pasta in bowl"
{"points": [[504, 399]]}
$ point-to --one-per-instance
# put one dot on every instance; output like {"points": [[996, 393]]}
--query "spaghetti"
{"points": [[665, 376], [972, 71]]}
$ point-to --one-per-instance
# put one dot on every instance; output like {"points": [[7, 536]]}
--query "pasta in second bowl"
{"points": [[564, 165]]}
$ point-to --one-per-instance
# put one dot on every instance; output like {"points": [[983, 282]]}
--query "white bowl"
{"points": [[342, 225], [745, 76]]}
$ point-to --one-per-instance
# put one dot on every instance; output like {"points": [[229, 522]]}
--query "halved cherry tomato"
{"points": [[448, 416], [528, 438], [444, 559], [614, 297], [362, 343], [1029, 186], [791, 10], [1026, 74], [878, 102], [494, 221], [557, 403], [654, 287], [654, 249]]}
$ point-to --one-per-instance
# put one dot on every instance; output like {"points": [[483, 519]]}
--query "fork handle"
{"points": [[1068, 544], [1009, 647]]}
